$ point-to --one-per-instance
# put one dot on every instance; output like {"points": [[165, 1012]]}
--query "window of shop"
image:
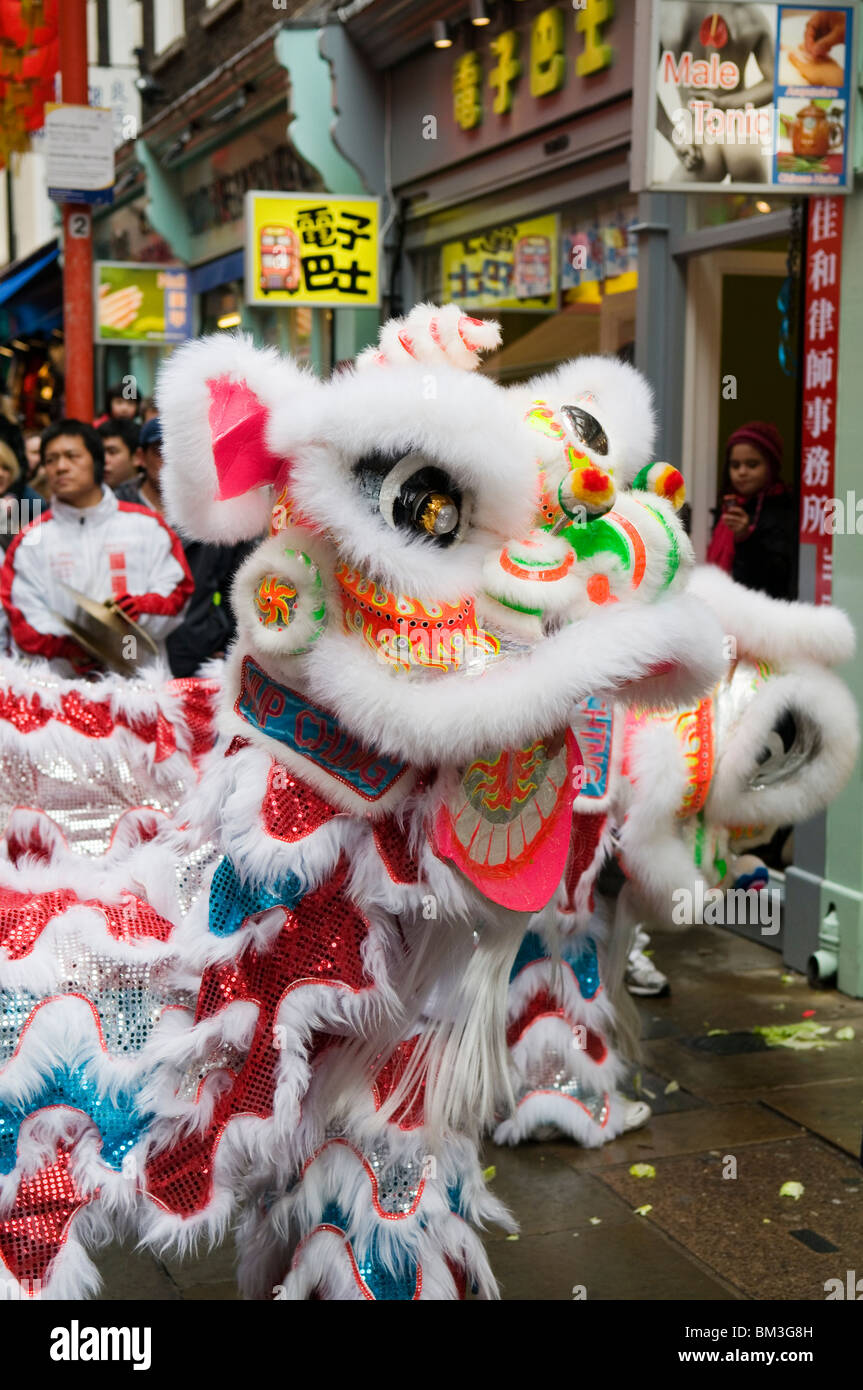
{"points": [[222, 307], [562, 284]]}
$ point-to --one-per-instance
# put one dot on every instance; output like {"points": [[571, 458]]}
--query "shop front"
{"points": [[513, 196], [744, 163], [31, 337]]}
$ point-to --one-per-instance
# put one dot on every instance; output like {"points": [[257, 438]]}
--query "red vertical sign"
{"points": [[818, 521]]}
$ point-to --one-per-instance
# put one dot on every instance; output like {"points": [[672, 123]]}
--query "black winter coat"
{"points": [[209, 625], [767, 559]]}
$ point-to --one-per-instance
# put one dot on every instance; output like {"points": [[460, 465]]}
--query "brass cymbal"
{"points": [[112, 617], [106, 642]]}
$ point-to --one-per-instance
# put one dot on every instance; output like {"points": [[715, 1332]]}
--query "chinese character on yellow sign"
{"points": [[311, 248], [467, 91], [513, 266], [549, 35], [596, 55], [507, 71], [547, 58]]}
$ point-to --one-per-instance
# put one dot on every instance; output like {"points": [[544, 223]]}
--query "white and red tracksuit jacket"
{"points": [[103, 551]]}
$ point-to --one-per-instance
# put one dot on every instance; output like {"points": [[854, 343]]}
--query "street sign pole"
{"points": [[77, 229]]}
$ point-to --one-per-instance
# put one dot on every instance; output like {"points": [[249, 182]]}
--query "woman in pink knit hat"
{"points": [[755, 536]]}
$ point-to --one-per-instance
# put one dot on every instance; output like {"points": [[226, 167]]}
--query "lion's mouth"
{"points": [[412, 635]]}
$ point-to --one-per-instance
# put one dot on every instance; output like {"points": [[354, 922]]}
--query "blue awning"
{"points": [[19, 278], [219, 272]]}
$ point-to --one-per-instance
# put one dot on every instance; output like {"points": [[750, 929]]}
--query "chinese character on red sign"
{"points": [[820, 371]]}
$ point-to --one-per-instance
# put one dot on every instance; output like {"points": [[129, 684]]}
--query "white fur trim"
{"points": [[773, 630]]}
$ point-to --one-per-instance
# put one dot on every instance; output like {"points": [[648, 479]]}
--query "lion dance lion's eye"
{"points": [[412, 495], [586, 428]]}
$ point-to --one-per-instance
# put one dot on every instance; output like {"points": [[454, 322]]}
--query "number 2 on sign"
{"points": [[79, 225]]}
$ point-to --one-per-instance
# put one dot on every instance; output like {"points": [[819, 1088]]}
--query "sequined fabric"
{"points": [[115, 1115], [33, 1233], [84, 801], [233, 902], [24, 916], [409, 1115], [579, 953], [551, 1073], [76, 1012], [320, 944], [191, 871], [392, 841], [544, 1005], [291, 809], [374, 1279], [127, 999]]}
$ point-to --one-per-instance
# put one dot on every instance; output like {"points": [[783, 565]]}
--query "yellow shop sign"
{"points": [[513, 266], [312, 248]]}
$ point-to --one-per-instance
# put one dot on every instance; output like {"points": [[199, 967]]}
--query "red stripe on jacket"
{"points": [[28, 638], [167, 605]]}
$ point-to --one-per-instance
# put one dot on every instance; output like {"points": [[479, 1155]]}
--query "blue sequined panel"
{"points": [[581, 957], [531, 949], [585, 966], [386, 1286], [116, 1117], [231, 901]]}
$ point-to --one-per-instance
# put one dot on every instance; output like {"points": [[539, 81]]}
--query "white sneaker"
{"points": [[635, 1114], [641, 976]]}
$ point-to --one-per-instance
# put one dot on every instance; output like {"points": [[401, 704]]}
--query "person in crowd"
{"points": [[149, 409], [19, 504], [208, 626], [119, 405], [755, 534], [144, 486], [35, 475], [120, 443], [108, 550]]}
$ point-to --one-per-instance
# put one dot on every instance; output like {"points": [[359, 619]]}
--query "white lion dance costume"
{"points": [[679, 795], [293, 1015]]}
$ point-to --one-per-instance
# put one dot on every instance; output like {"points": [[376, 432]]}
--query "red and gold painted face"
{"points": [[407, 633]]}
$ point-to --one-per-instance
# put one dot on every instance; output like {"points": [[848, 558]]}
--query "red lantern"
{"points": [[34, 114], [42, 63], [29, 23]]}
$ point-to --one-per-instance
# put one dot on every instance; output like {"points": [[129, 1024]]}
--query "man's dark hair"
{"points": [[126, 430], [88, 436]]}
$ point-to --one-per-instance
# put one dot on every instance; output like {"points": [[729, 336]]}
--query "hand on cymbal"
{"points": [[128, 605]]}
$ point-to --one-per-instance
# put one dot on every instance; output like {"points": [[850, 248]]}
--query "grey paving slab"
{"points": [[207, 1267], [695, 1131], [635, 1261], [545, 1193], [129, 1274], [751, 1075], [833, 1109]]}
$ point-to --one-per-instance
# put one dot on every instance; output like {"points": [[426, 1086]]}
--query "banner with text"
{"points": [[821, 513]]}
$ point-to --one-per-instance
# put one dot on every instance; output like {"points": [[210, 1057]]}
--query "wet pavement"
{"points": [[734, 1120]]}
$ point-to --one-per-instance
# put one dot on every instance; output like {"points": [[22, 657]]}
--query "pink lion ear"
{"points": [[216, 400], [238, 422]]}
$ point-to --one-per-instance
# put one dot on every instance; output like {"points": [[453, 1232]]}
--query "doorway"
{"points": [[732, 368]]}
